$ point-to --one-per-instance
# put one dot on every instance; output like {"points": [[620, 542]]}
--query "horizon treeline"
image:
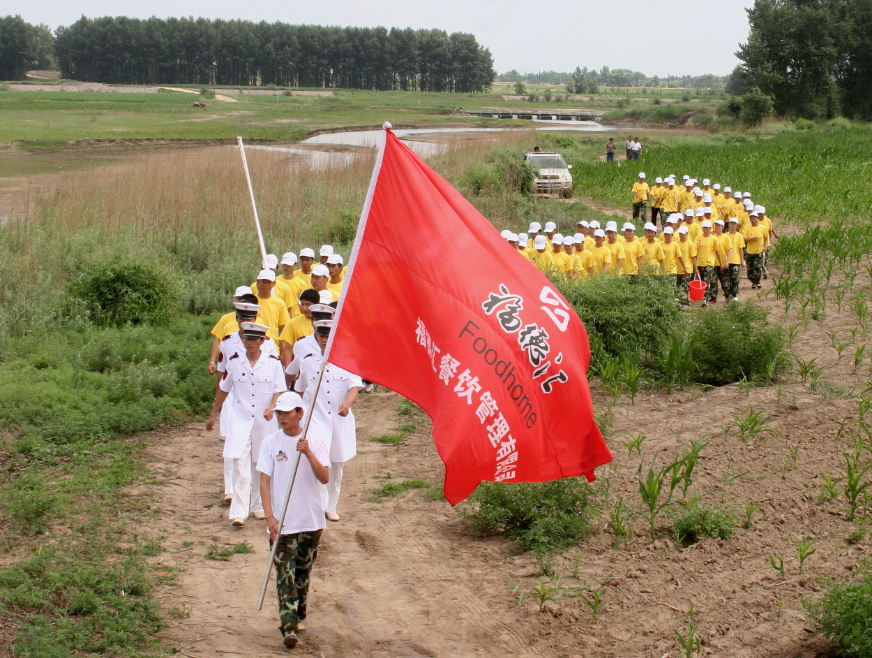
{"points": [[200, 51], [607, 77]]}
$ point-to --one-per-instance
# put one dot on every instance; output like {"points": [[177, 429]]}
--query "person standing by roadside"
{"points": [[610, 150], [636, 149], [640, 198], [629, 146]]}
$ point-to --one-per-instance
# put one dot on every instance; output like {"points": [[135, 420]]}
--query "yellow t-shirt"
{"points": [[705, 250], [754, 246], [685, 198], [296, 286], [652, 254], [669, 202], [715, 214], [670, 257], [738, 244], [725, 243], [336, 287], [720, 202], [656, 195], [601, 257], [589, 243], [640, 192], [298, 328], [743, 217], [618, 254], [688, 252], [632, 251], [273, 312], [280, 290], [694, 231], [561, 261], [582, 262], [305, 278], [543, 260], [219, 330]]}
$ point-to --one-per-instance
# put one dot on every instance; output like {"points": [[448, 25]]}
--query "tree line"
{"points": [[607, 77], [812, 58], [24, 47], [200, 51]]}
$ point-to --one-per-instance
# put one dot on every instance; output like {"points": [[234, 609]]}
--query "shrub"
{"points": [[756, 106], [206, 93], [520, 89], [839, 123], [731, 107], [695, 519], [116, 293], [29, 502], [735, 343], [547, 96], [506, 172], [543, 517], [343, 227], [803, 124], [666, 113], [844, 614]]}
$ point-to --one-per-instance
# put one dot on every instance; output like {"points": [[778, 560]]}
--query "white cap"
{"points": [[716, 186], [737, 195], [523, 237], [307, 253], [628, 226], [650, 227], [658, 180], [672, 219], [557, 239], [707, 198], [697, 191], [746, 195], [594, 224], [584, 223], [707, 210], [599, 233], [728, 189], [320, 270], [688, 212], [685, 177], [668, 230], [539, 242], [253, 330], [290, 258], [734, 220], [322, 324], [244, 309], [289, 401], [535, 227], [511, 237], [550, 226], [706, 224], [641, 174], [578, 237], [321, 307], [269, 275], [682, 228], [325, 296], [753, 214], [505, 234], [749, 205], [272, 261], [719, 221], [612, 226], [706, 181], [242, 290], [700, 211], [325, 250], [335, 259], [759, 209]]}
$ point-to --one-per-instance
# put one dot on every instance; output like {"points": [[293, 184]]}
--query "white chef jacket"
{"points": [[340, 432], [232, 344], [253, 390]]}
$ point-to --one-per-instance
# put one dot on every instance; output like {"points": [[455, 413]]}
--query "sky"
{"points": [[655, 38]]}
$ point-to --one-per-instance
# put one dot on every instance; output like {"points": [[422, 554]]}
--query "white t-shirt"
{"points": [[306, 507], [636, 146]]}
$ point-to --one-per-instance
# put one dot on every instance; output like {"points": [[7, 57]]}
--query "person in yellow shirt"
{"points": [[616, 248], [766, 223], [320, 277], [737, 205], [697, 199], [686, 265], [583, 263], [755, 241], [542, 258], [601, 254], [324, 253], [743, 212], [706, 187], [640, 198], [656, 197], [221, 329], [534, 230], [710, 208], [694, 230], [699, 216], [523, 249], [273, 312], [633, 251], [568, 250], [671, 253], [589, 242], [560, 259], [668, 200], [335, 265], [652, 253], [706, 259], [280, 290], [686, 196], [736, 258], [718, 200], [299, 327], [295, 285], [725, 252], [307, 260]]}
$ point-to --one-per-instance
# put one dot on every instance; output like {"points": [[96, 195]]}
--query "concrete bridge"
{"points": [[556, 115]]}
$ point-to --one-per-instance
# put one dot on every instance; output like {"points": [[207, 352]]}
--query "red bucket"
{"points": [[697, 290]]}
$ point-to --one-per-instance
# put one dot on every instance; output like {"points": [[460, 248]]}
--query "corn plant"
{"points": [[655, 485], [750, 508], [631, 377], [634, 442], [689, 460], [839, 294], [792, 333], [815, 375], [794, 453], [840, 348], [855, 488], [595, 601], [805, 368], [859, 353], [777, 563], [833, 334], [689, 643], [806, 548], [678, 363], [610, 375], [752, 425]]}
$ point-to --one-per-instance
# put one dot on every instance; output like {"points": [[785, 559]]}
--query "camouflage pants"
{"points": [[640, 208], [710, 276], [294, 560], [754, 263], [724, 279], [682, 281]]}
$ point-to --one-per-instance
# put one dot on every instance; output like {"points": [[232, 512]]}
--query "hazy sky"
{"points": [[653, 37]]}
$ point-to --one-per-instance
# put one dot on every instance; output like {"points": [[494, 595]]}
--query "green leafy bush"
{"points": [[844, 614], [543, 517], [29, 501], [804, 124], [736, 342], [116, 293], [505, 173], [694, 519]]}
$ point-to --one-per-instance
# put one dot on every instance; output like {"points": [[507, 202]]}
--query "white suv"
{"points": [[553, 177]]}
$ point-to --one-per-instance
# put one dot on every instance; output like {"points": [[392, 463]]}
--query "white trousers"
{"points": [[333, 485], [228, 476], [246, 485]]}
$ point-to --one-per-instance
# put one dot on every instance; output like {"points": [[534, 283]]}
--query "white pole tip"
{"points": [[387, 125]]}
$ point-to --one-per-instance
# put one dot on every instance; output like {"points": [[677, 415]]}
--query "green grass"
{"points": [[391, 489], [388, 439], [226, 551]]}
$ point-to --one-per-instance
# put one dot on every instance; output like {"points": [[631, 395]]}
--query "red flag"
{"points": [[438, 307]]}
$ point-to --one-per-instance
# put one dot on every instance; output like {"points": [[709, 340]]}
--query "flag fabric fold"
{"points": [[438, 307]]}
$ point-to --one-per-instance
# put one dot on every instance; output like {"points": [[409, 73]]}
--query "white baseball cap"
{"points": [[523, 237], [641, 174], [658, 180], [707, 198], [307, 253], [697, 191], [242, 290], [700, 211], [737, 195], [320, 270], [612, 226], [706, 181], [511, 237], [682, 228], [749, 205], [289, 401], [762, 210], [746, 195], [290, 258], [707, 210], [734, 220], [557, 239], [272, 261], [325, 250], [584, 223], [671, 219], [335, 259], [535, 227], [594, 224], [706, 224], [325, 296], [269, 275], [628, 226], [716, 186], [539, 242], [688, 212], [728, 189], [550, 226], [505, 233], [753, 214], [578, 237], [668, 230], [719, 221], [650, 227], [759, 209], [599, 233]]}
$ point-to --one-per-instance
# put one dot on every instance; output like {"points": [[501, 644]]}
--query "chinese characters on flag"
{"points": [[439, 308]]}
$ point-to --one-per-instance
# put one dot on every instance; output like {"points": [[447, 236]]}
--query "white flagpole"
{"points": [[253, 204], [357, 239]]}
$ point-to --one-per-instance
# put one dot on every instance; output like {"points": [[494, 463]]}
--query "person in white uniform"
{"points": [[246, 311], [308, 345], [331, 413], [257, 380]]}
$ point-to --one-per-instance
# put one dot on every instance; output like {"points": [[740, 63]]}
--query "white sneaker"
{"points": [[735, 299], [331, 516], [238, 522], [260, 516], [369, 387]]}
